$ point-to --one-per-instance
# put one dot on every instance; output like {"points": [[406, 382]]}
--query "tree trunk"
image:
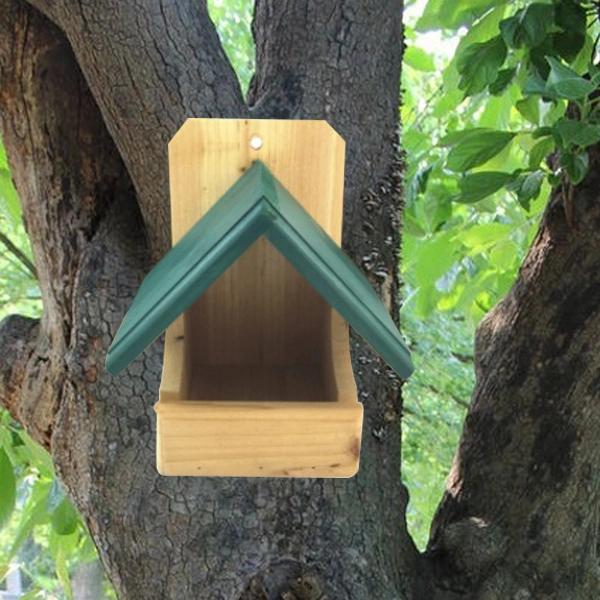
{"points": [[193, 537], [520, 515], [90, 94]]}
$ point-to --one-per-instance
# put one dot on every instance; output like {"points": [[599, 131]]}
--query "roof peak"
{"points": [[256, 204]]}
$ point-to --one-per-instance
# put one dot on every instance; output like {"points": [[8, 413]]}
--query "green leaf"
{"points": [[447, 103], [536, 86], [536, 21], [528, 26], [418, 184], [542, 149], [479, 238], [530, 188], [530, 109], [478, 64], [426, 299], [86, 550], [452, 14], [511, 31], [436, 256], [38, 456], [568, 44], [419, 59], [541, 132], [415, 140], [537, 57], [581, 63], [565, 83], [411, 226], [477, 186], [504, 79], [433, 208], [503, 255], [577, 133], [62, 572], [576, 165], [33, 514], [570, 16], [8, 488], [64, 518], [452, 138], [9, 201], [476, 149], [3, 158]]}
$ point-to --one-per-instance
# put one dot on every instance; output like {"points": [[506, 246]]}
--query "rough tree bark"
{"points": [[144, 68], [520, 515], [90, 94]]}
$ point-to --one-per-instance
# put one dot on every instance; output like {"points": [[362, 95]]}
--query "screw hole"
{"points": [[256, 142]]}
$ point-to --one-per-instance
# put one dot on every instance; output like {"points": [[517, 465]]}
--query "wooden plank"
{"points": [[259, 382], [261, 310], [175, 375], [206, 410], [275, 445]]}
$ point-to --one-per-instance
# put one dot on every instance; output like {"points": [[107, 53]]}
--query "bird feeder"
{"points": [[255, 297]]}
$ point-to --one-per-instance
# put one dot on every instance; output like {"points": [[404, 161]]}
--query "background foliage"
{"points": [[487, 132]]}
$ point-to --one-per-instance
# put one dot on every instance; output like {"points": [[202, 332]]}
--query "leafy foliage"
{"points": [[42, 533], [435, 405], [479, 64], [493, 112], [19, 291], [545, 48], [509, 111], [475, 147], [7, 488], [232, 19]]}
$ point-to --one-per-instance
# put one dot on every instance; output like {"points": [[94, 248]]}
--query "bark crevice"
{"points": [[150, 66]]}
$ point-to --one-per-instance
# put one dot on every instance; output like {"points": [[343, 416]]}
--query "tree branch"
{"points": [[305, 69], [520, 514], [67, 172], [150, 65], [18, 254]]}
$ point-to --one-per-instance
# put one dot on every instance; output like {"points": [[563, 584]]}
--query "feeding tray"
{"points": [[256, 296]]}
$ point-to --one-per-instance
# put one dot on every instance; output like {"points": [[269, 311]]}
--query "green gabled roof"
{"points": [[256, 205]]}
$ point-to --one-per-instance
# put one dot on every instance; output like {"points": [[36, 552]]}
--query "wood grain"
{"points": [[257, 379]]}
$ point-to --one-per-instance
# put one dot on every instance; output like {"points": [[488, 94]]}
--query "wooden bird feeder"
{"points": [[255, 297]]}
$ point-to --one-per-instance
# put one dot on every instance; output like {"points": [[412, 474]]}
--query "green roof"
{"points": [[257, 204]]}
